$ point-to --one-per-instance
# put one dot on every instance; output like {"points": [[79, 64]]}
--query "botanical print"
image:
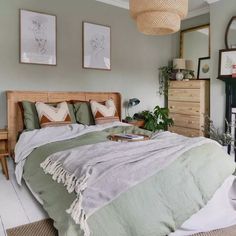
{"points": [[38, 38], [204, 69], [228, 59], [96, 46]]}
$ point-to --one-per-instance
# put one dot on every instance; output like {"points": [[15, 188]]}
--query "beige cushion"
{"points": [[104, 113], [52, 116]]}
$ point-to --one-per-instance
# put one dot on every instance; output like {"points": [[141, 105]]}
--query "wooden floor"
{"points": [[17, 205]]}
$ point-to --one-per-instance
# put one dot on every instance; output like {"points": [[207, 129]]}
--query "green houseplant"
{"points": [[158, 119], [165, 74]]}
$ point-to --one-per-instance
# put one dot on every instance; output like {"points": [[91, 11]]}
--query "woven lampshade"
{"points": [[189, 65], [158, 17], [179, 64]]}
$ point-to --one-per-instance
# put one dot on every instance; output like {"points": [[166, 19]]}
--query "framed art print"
{"points": [[37, 38], [204, 68], [227, 58], [96, 46]]}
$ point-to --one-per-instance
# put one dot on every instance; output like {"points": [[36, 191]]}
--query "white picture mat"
{"points": [[37, 38], [203, 64], [97, 46], [228, 59]]}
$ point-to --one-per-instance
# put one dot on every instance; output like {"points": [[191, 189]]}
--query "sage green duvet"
{"points": [[155, 207]]}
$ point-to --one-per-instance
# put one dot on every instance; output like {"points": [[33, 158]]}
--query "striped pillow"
{"points": [[53, 116], [104, 113]]}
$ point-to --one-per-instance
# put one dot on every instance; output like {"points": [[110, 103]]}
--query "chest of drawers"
{"points": [[189, 103]]}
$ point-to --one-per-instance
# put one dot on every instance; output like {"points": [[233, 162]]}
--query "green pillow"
{"points": [[83, 113], [30, 115]]}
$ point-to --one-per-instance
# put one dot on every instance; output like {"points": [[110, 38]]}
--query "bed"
{"points": [[168, 184]]}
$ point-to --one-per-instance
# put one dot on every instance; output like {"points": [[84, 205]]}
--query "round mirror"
{"points": [[230, 34]]}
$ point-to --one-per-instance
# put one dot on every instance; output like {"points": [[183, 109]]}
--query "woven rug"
{"points": [[45, 228], [40, 228]]}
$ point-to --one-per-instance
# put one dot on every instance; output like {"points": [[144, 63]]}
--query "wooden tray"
{"points": [[121, 139]]}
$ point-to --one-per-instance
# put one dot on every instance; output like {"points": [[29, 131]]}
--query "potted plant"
{"points": [[165, 75], [223, 138], [158, 119]]}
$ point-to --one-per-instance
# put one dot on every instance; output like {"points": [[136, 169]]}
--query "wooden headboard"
{"points": [[14, 116]]}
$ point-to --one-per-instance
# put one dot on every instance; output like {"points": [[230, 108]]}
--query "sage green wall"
{"points": [[135, 57], [220, 14]]}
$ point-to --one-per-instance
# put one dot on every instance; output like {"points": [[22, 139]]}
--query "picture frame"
{"points": [[227, 58], [38, 42], [96, 46], [204, 68]]}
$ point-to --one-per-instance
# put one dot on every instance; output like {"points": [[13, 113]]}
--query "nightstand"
{"points": [[4, 151], [138, 123]]}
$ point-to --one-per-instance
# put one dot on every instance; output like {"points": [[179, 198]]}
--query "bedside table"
{"points": [[138, 123], [4, 151]]}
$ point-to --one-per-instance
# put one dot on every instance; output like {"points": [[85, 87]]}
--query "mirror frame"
{"points": [[190, 30], [227, 31]]}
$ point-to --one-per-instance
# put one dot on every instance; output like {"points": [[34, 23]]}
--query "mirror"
{"points": [[195, 44], [230, 34]]}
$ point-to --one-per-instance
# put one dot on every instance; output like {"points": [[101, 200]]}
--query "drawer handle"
{"points": [[190, 121], [172, 107]]}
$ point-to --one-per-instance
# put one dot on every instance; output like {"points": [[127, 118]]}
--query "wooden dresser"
{"points": [[189, 102]]}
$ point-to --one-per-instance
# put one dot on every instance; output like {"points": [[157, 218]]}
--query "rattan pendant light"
{"points": [[158, 17]]}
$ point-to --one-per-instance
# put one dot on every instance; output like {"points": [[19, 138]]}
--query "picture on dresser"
{"points": [[37, 38], [96, 46], [204, 68], [227, 58]]}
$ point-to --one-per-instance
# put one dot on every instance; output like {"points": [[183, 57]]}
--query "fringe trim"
{"points": [[72, 184]]}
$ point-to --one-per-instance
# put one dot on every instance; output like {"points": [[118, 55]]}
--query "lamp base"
{"points": [[179, 76]]}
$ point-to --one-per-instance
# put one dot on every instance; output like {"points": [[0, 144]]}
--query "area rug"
{"points": [[230, 231], [45, 228], [39, 228]]}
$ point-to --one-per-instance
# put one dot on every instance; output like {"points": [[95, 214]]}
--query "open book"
{"points": [[130, 136]]}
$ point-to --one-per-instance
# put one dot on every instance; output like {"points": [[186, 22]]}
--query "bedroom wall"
{"points": [[135, 57], [220, 14]]}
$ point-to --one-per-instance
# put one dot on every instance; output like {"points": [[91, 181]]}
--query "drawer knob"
{"points": [[190, 122], [171, 107]]}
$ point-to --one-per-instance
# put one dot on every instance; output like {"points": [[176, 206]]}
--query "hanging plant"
{"points": [[165, 75]]}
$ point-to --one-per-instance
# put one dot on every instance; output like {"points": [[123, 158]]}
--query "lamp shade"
{"points": [[158, 17], [133, 102], [179, 64], [189, 65]]}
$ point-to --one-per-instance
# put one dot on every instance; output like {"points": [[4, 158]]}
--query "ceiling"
{"points": [[196, 7]]}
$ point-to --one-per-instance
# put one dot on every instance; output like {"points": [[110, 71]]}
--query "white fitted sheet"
{"points": [[220, 212]]}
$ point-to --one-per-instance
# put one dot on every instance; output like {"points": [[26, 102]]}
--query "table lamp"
{"points": [[132, 102], [179, 64]]}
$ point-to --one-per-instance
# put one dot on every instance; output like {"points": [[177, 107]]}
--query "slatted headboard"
{"points": [[15, 122]]}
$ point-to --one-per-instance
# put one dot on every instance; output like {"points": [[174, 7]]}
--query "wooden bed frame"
{"points": [[14, 116]]}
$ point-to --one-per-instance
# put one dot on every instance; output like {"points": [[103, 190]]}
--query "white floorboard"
{"points": [[17, 204]]}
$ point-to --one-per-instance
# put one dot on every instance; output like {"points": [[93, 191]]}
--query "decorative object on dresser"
{"points": [[189, 70], [230, 41], [227, 58], [189, 103], [4, 151], [38, 38], [96, 46], [179, 64], [204, 68], [158, 17]]}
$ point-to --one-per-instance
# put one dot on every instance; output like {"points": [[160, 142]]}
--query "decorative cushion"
{"points": [[104, 113], [29, 115], [51, 116], [83, 113]]}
